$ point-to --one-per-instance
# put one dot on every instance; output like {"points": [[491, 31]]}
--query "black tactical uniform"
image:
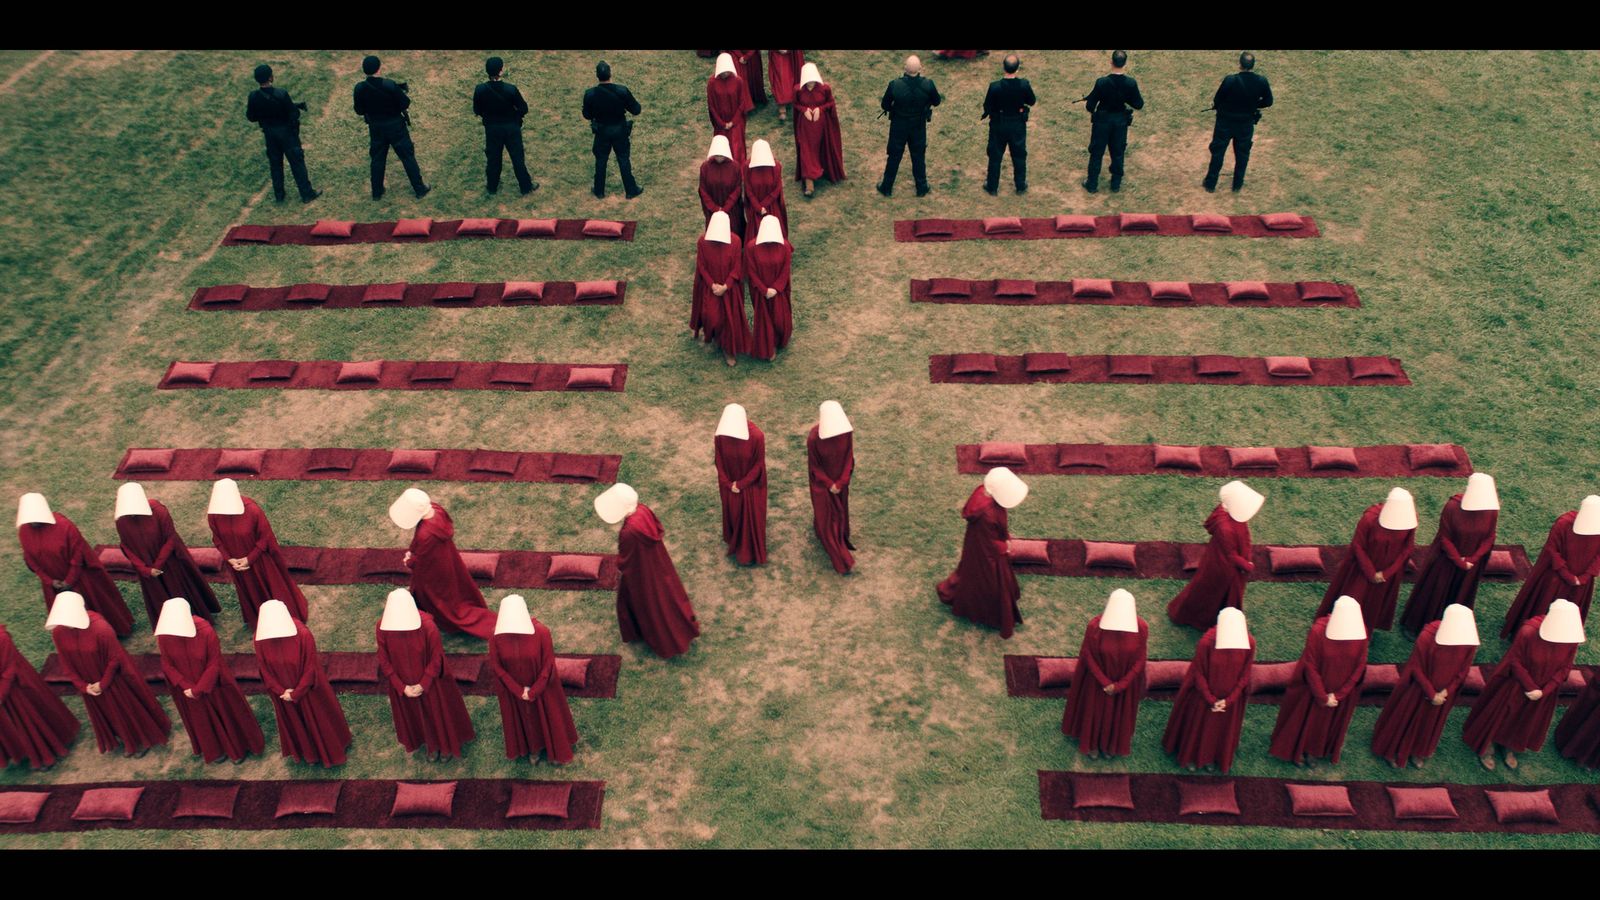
{"points": [[381, 102], [604, 106], [1110, 106], [909, 101], [501, 106], [279, 118], [1238, 103], [1006, 105]]}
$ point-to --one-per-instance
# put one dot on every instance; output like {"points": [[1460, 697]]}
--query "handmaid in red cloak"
{"points": [[1208, 713], [533, 704], [244, 537], [831, 460], [1578, 735], [1372, 570], [54, 550], [218, 719], [1218, 582], [440, 581], [424, 699], [1316, 709], [1466, 535], [739, 450], [1566, 567], [727, 102], [722, 184], [819, 148], [719, 289], [748, 66], [983, 588], [763, 192], [121, 706], [35, 726], [783, 70], [1519, 701], [1103, 702], [1413, 718], [311, 724], [159, 555], [767, 263], [651, 601]]}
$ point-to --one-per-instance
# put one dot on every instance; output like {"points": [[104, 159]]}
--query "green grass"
{"points": [[815, 711]]}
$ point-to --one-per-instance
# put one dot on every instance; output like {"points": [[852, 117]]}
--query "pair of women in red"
{"points": [[819, 148]]}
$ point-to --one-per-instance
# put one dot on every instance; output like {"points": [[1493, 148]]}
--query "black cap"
{"points": [[263, 73], [493, 65], [370, 65]]}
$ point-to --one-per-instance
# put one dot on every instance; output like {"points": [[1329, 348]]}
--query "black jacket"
{"points": [[605, 103], [1112, 98], [271, 106], [908, 98], [1008, 99], [380, 100], [498, 104], [1241, 94]]}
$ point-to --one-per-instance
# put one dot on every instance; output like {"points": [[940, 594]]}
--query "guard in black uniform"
{"points": [[909, 101], [501, 107], [383, 104], [1110, 106], [1006, 107], [604, 105], [1238, 103], [279, 118]]}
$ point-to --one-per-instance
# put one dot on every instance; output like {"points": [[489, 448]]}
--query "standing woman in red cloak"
{"points": [[439, 577], [220, 723], [1578, 735], [722, 184], [783, 68], [34, 724], [748, 63], [1371, 571], [1219, 581], [819, 148], [719, 289], [1103, 703], [1208, 713], [1566, 567], [533, 704], [740, 453], [727, 101], [54, 549], [1412, 721], [121, 706], [763, 190], [159, 555], [1466, 535], [983, 588], [768, 263], [1519, 701], [831, 460], [651, 601], [311, 724], [423, 696], [1316, 709], [244, 537]]}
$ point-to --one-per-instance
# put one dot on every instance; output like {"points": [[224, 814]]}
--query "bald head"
{"points": [[913, 65], [1012, 64]]}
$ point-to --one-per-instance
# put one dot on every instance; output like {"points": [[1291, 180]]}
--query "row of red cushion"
{"points": [[338, 228], [1309, 291], [382, 562], [394, 292], [1281, 560], [1008, 453], [372, 370], [341, 459], [1141, 366], [1124, 221]]}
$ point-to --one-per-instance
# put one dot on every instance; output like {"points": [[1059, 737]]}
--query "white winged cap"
{"points": [[1241, 501], [724, 65], [1120, 613], [719, 230], [735, 423], [225, 499], [1480, 493], [67, 610], [33, 509], [1345, 623], [176, 619], [1005, 487], [131, 501], [1458, 628], [514, 618], [831, 420], [1399, 511], [1563, 624], [400, 612], [273, 621], [616, 503], [1231, 631], [410, 508], [761, 155], [720, 147], [1588, 520], [809, 74], [771, 231]]}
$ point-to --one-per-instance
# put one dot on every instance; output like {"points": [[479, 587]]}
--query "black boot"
{"points": [[1091, 187]]}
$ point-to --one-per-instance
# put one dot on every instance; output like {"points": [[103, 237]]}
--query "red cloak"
{"points": [[1219, 581], [440, 582], [747, 65], [957, 54], [1104, 722], [126, 709], [1578, 735], [1306, 727], [1373, 549], [763, 190], [783, 67], [1503, 714], [1565, 570], [722, 318], [59, 553], [819, 149], [152, 542], [34, 724], [1465, 536], [768, 266], [438, 719], [1198, 736], [544, 721], [249, 536], [1410, 725], [983, 588], [744, 515], [651, 601], [722, 188], [831, 462], [219, 720], [311, 727], [727, 100]]}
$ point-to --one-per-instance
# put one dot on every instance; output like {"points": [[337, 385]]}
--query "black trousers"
{"points": [[1240, 133], [283, 141], [500, 138], [609, 139], [1107, 134], [901, 136], [1012, 133], [396, 135]]}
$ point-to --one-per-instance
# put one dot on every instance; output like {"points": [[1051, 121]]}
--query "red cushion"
{"points": [[1422, 803], [1015, 287], [1002, 225], [273, 370], [112, 559], [1380, 678], [1288, 560], [1319, 290], [1138, 222], [1108, 554], [1271, 677], [1289, 366], [1130, 366], [596, 290], [590, 377], [1474, 683], [1424, 456], [1165, 674], [1046, 362], [1171, 290], [1282, 221], [481, 565], [1092, 287], [208, 559], [302, 559], [569, 567], [412, 228], [1500, 562], [1332, 458], [310, 292], [418, 461], [973, 364], [514, 373], [1177, 457], [498, 462], [536, 227], [309, 798], [331, 459], [602, 228], [1056, 671], [1253, 457], [1320, 800], [241, 462], [573, 672], [332, 228], [1574, 683], [1246, 290], [359, 371], [389, 292], [436, 370], [1075, 223], [1114, 791], [1211, 797], [224, 293], [1210, 222], [207, 801], [949, 287], [1032, 553], [478, 226], [576, 465], [1093, 456], [522, 290], [107, 803], [1217, 365], [21, 807], [191, 372], [454, 290], [933, 227], [435, 799], [1518, 807], [1191, 554], [147, 461], [540, 800], [1372, 367], [1002, 453], [254, 234]]}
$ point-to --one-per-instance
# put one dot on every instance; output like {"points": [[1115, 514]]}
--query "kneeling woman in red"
{"points": [[1518, 703], [54, 549], [1103, 703], [739, 450], [1370, 574], [440, 581], [651, 601], [311, 724], [1219, 581], [1412, 721], [423, 697], [983, 588], [121, 706], [767, 265], [220, 723], [533, 704], [831, 460], [1208, 713], [35, 726], [1316, 709]]}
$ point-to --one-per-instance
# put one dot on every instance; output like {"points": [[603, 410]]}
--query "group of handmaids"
{"points": [[1513, 711]]}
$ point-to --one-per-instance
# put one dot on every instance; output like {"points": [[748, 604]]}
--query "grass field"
{"points": [[815, 710]]}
